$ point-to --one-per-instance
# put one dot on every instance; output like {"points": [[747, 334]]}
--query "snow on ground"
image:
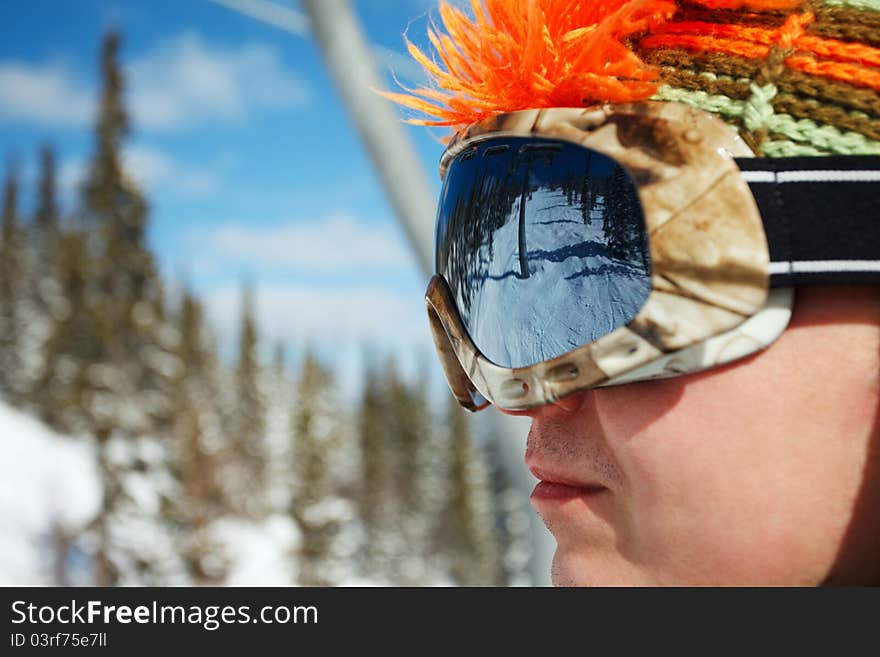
{"points": [[258, 553], [51, 481], [48, 481]]}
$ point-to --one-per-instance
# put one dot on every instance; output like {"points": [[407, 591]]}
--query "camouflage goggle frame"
{"points": [[710, 300]]}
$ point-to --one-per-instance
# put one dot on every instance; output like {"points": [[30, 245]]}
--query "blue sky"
{"points": [[252, 168]]}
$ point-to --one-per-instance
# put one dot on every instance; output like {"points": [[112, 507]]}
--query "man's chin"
{"points": [[570, 569], [591, 568]]}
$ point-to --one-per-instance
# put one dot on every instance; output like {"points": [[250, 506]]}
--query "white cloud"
{"points": [[185, 82], [151, 168], [334, 282], [45, 95], [337, 244], [181, 83], [297, 313]]}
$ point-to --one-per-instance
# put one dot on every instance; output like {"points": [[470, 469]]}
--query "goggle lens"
{"points": [[543, 245]]}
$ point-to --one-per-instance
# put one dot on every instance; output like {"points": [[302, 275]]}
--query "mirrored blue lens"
{"points": [[543, 245]]}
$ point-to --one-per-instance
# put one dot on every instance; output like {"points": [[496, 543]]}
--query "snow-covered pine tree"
{"points": [[245, 457], [469, 520], [197, 442], [408, 436], [61, 391], [47, 220], [41, 298], [280, 393], [321, 512], [401, 481], [11, 285], [128, 382], [279, 357], [375, 496], [22, 324]]}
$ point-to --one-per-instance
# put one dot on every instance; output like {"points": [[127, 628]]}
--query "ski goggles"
{"points": [[578, 248]]}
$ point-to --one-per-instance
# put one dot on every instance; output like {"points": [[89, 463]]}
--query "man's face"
{"points": [[764, 472]]}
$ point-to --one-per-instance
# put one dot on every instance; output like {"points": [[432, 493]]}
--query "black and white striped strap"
{"points": [[821, 216]]}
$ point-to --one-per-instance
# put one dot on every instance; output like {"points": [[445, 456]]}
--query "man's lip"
{"points": [[553, 491], [559, 480]]}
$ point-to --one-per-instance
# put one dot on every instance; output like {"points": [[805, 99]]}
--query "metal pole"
{"points": [[350, 60]]}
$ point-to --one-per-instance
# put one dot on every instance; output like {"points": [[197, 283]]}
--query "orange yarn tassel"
{"points": [[518, 54]]}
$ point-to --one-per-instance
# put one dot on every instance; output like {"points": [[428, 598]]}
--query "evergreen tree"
{"points": [[10, 229], [624, 226], [10, 287], [469, 516], [247, 455], [46, 218], [42, 300], [62, 393], [399, 479], [197, 441], [316, 507], [406, 420], [126, 290], [129, 381], [278, 360], [279, 392], [375, 496]]}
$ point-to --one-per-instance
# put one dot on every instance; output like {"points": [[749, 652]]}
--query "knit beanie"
{"points": [[792, 77]]}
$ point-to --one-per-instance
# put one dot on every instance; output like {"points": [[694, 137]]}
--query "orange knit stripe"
{"points": [[840, 50], [840, 71], [829, 48], [696, 43], [721, 30], [753, 5]]}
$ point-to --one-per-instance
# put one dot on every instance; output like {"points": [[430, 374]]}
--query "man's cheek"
{"points": [[627, 411], [662, 464], [672, 482]]}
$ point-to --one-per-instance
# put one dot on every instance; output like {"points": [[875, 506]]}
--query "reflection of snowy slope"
{"points": [[574, 294]]}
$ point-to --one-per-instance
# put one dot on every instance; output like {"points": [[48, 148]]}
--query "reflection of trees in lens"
{"points": [[624, 228], [483, 204], [484, 188]]}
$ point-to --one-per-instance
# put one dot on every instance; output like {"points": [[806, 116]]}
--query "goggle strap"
{"points": [[821, 217]]}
